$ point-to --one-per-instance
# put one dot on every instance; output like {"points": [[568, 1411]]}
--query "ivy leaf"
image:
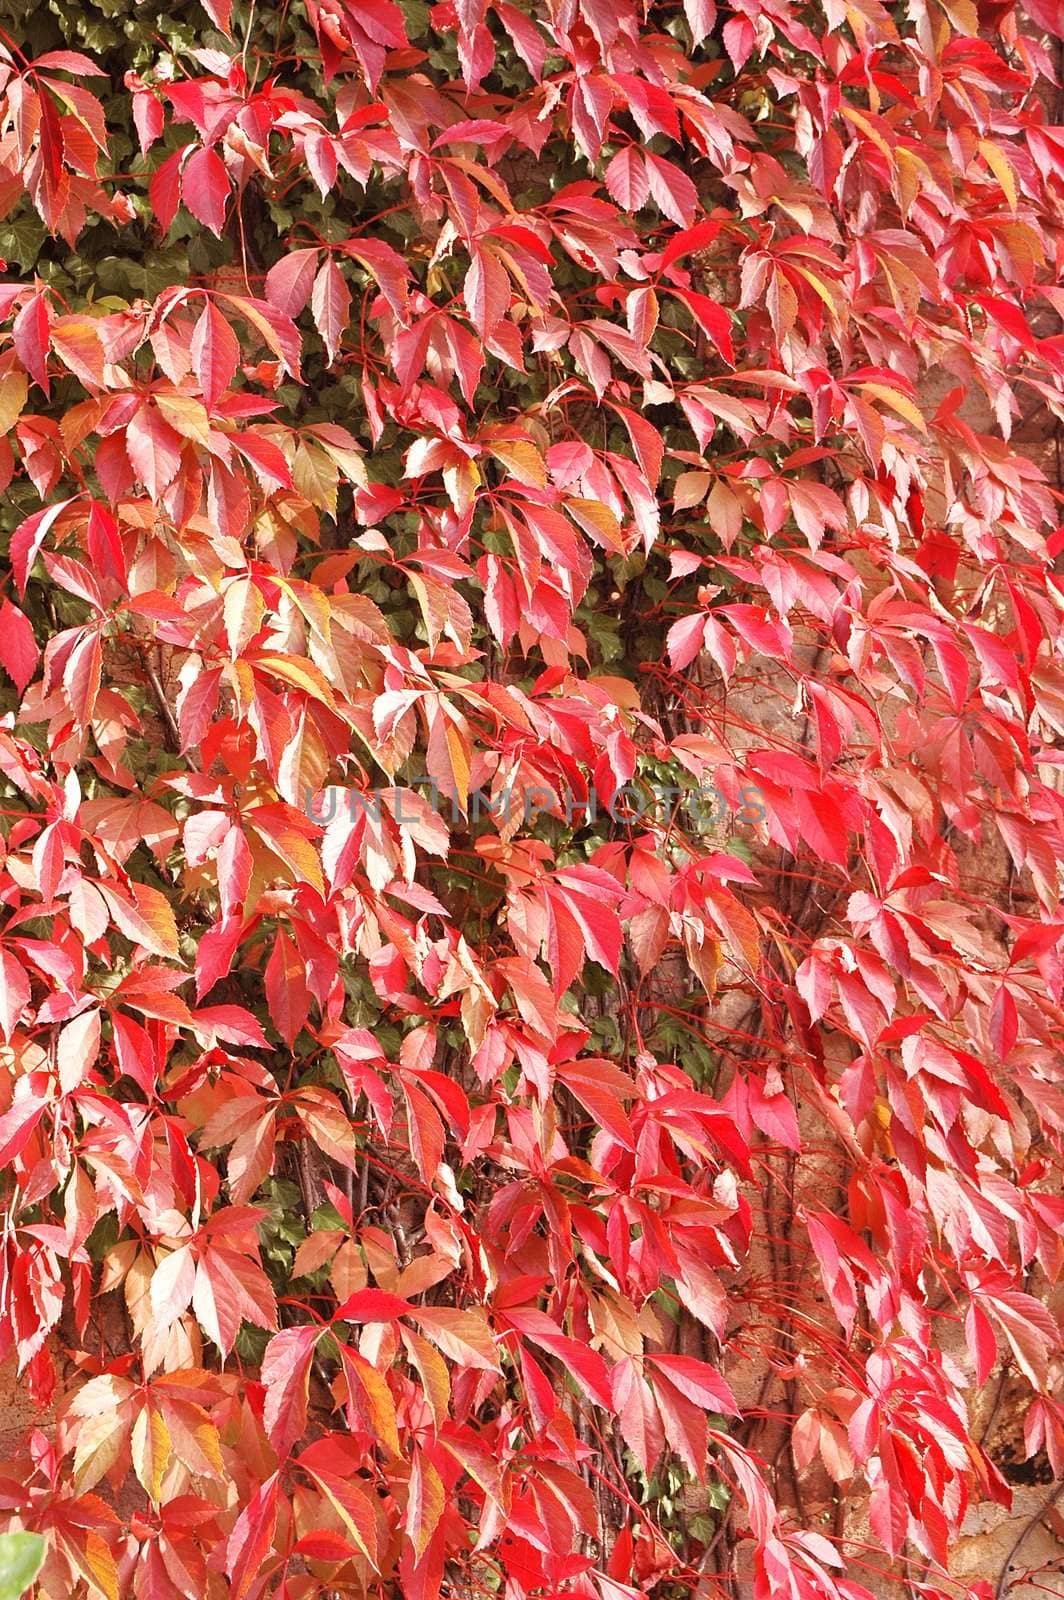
{"points": [[21, 1558]]}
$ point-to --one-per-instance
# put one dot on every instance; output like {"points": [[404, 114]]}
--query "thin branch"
{"points": [[1028, 1528]]}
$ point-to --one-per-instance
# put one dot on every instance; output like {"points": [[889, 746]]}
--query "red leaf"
{"points": [[149, 120], [31, 330], [82, 675], [585, 1364], [30, 1101], [426, 1132], [689, 239], [72, 61], [351, 1504], [164, 190], [286, 989], [277, 330], [739, 41], [386, 265], [290, 280], [982, 1345], [229, 1291], [478, 130], [105, 545], [686, 640], [171, 1286], [267, 460], [19, 651], [1004, 1022], [330, 304], [626, 178], [701, 16], [698, 1381], [286, 1376], [215, 354], [205, 189], [154, 450], [220, 13], [321, 1544], [671, 190], [371, 1305], [712, 318], [425, 1502], [251, 1540], [486, 291]]}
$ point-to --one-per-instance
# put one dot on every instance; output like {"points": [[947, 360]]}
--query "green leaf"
{"points": [[21, 1558]]}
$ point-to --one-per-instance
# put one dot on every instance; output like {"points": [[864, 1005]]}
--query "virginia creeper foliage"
{"points": [[530, 949]]}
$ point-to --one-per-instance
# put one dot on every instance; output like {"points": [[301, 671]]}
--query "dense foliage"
{"points": [[531, 935]]}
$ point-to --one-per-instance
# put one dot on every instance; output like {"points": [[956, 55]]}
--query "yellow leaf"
{"points": [[426, 1502], [316, 477], [782, 303], [459, 759], [348, 1271], [443, 609], [14, 387], [909, 176], [704, 960], [897, 402], [100, 1566], [315, 1250], [243, 610], [147, 920], [100, 1441], [151, 1448], [1000, 166], [239, 678], [78, 422], [312, 603], [186, 415], [76, 342], [348, 459], [433, 607], [296, 853], [963, 15], [836, 306], [484, 175], [463, 1335], [867, 127], [357, 615], [432, 1370], [621, 691], [378, 1400], [521, 458], [195, 1444], [304, 764], [598, 521], [690, 489], [298, 673], [328, 1125], [355, 1510], [1025, 247], [461, 479]]}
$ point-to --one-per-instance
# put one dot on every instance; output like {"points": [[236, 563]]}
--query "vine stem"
{"points": [[1021, 1538]]}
